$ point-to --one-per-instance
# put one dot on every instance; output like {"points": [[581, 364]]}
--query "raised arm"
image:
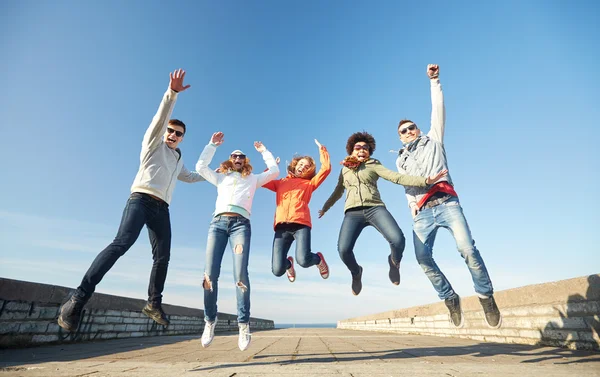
{"points": [[154, 134], [335, 195], [406, 180], [272, 169], [207, 156], [438, 111], [325, 166], [188, 176]]}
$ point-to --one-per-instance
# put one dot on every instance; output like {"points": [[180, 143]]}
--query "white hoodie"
{"points": [[232, 188]]}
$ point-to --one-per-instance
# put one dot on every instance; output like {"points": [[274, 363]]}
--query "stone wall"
{"points": [[28, 313], [565, 313]]}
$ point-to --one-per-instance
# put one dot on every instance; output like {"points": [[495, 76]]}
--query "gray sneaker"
{"points": [[156, 312], [456, 314], [492, 315], [394, 273], [70, 312], [357, 282]]}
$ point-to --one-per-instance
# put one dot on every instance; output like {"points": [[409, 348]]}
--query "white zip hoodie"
{"points": [[232, 188], [161, 166]]}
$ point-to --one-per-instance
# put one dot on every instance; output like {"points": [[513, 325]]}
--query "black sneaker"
{"points": [[357, 283], [456, 314], [492, 315], [70, 312], [155, 312], [394, 273]]}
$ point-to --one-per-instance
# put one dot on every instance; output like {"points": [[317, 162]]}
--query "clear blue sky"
{"points": [[81, 81]]}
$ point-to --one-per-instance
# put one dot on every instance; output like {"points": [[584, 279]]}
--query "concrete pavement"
{"points": [[298, 352]]}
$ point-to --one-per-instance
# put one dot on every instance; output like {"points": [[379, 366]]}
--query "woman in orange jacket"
{"points": [[292, 216]]}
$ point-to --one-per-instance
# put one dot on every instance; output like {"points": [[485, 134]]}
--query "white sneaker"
{"points": [[245, 337], [209, 333]]}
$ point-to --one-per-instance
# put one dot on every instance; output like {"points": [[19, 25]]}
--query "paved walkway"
{"points": [[298, 352]]}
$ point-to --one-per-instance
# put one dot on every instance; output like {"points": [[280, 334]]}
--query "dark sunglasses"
{"points": [[412, 127], [178, 133], [240, 156], [358, 147]]}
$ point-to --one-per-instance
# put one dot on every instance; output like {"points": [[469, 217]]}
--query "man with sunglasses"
{"points": [[437, 206], [161, 166]]}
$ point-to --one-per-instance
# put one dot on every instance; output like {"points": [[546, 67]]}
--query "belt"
{"points": [[437, 201]]}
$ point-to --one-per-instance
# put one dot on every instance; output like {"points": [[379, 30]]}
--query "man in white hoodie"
{"points": [[236, 186], [161, 166]]}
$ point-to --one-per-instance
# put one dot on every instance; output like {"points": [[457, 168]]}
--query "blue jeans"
{"points": [[140, 209], [285, 234], [448, 215], [235, 230], [355, 220]]}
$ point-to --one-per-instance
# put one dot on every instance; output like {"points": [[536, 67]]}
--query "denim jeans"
{"points": [[448, 215], [140, 209], [235, 230], [285, 234], [355, 220]]}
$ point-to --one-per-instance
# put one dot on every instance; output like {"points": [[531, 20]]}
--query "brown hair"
{"points": [[177, 122], [403, 121], [309, 174], [228, 167], [358, 137]]}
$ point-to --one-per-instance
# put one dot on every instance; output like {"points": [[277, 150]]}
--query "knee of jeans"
{"points": [[468, 252], [278, 271], [425, 261], [241, 286], [303, 261]]}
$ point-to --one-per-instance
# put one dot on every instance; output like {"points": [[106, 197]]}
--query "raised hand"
{"points": [[321, 213], [217, 138], [321, 147], [435, 178], [176, 82], [433, 71], [259, 146]]}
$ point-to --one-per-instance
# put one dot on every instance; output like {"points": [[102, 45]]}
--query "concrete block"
{"points": [[12, 315], [132, 327], [110, 319], [52, 328], [116, 313], [44, 312], [45, 338], [9, 327], [119, 328], [585, 308], [98, 319], [137, 334], [533, 334], [108, 335], [560, 334], [21, 306], [33, 327]]}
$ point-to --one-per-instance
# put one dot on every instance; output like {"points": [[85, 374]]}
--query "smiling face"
{"points": [[408, 131], [238, 159], [174, 135], [361, 151], [303, 168]]}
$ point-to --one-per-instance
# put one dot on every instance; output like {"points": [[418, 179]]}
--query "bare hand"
{"points": [[433, 71], [277, 160], [435, 178], [414, 211], [260, 148], [321, 213], [176, 82], [321, 146], [217, 138]]}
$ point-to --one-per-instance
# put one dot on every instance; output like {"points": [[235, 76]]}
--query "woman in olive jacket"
{"points": [[364, 206]]}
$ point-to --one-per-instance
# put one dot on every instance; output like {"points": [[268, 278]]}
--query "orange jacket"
{"points": [[293, 194]]}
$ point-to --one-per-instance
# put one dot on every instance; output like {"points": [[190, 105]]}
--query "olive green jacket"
{"points": [[361, 185]]}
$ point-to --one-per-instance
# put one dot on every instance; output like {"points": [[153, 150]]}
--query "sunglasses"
{"points": [[240, 156], [358, 147], [178, 133], [412, 127]]}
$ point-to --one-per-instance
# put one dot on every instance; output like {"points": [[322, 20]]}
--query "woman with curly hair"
{"points": [[292, 216], [236, 186], [364, 206]]}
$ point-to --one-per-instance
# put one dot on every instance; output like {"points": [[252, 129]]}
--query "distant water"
{"points": [[305, 325]]}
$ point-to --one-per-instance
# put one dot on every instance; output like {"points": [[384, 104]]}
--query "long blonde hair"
{"points": [[227, 166], [309, 174]]}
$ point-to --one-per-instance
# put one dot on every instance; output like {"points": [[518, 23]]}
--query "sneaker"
{"points": [[70, 313], [245, 337], [456, 314], [209, 333], [357, 283], [291, 272], [394, 273], [492, 316], [155, 312], [323, 267]]}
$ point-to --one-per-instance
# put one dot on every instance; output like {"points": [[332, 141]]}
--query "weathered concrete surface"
{"points": [[298, 352]]}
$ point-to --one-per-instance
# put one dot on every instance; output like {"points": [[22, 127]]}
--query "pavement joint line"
{"points": [[328, 349], [295, 353], [256, 353]]}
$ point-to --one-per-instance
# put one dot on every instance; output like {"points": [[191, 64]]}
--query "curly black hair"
{"points": [[358, 137]]}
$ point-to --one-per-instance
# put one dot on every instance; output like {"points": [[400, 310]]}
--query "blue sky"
{"points": [[82, 80]]}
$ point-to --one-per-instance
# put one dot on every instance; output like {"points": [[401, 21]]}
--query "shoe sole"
{"points": [[248, 346], [66, 326], [206, 345], [490, 326], [155, 318]]}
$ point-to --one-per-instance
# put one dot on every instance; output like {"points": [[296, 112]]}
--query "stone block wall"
{"points": [[564, 313], [28, 313]]}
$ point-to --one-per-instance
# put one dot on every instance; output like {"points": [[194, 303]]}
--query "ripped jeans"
{"points": [[236, 230]]}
